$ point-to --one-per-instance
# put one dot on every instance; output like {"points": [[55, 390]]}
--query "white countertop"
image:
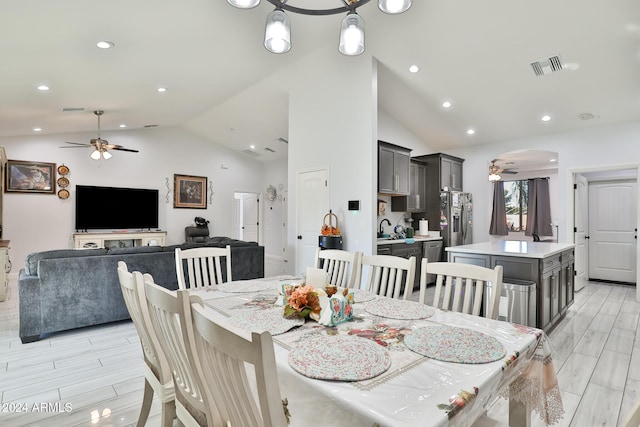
{"points": [[524, 249], [417, 239]]}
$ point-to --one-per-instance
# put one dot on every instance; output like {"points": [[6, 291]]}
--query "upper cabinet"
{"points": [[393, 169], [416, 200], [443, 172]]}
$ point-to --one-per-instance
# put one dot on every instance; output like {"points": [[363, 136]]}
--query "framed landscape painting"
{"points": [[30, 177], [190, 191]]}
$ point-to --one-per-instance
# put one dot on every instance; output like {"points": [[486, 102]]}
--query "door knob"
{"points": [[299, 237]]}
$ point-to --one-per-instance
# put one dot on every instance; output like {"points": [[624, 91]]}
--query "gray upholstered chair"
{"points": [[196, 234]]}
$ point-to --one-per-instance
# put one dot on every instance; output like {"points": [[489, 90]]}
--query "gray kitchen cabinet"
{"points": [[553, 275], [393, 169], [416, 200], [384, 250], [443, 171], [408, 250]]}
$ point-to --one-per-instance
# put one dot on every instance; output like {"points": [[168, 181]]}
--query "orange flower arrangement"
{"points": [[303, 302]]}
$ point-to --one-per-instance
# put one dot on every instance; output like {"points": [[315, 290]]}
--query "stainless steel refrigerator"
{"points": [[456, 218]]}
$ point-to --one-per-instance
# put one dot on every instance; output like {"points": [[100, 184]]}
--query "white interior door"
{"points": [[312, 203], [581, 222], [250, 221], [612, 231]]}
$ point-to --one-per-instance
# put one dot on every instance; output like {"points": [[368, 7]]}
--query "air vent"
{"points": [[151, 126], [73, 109], [546, 66], [251, 153], [269, 150], [283, 140]]}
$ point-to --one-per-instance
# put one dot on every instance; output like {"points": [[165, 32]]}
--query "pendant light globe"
{"points": [[394, 6], [244, 4], [277, 33], [352, 35]]}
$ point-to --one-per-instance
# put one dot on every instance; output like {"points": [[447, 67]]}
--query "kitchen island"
{"points": [[549, 265]]}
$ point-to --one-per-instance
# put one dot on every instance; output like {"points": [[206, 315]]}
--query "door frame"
{"points": [[327, 169], [571, 207], [236, 214]]}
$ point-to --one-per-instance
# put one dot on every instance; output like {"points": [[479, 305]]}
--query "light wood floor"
{"points": [[92, 376]]}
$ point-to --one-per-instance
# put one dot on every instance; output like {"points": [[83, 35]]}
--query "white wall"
{"points": [[274, 214], [36, 222], [332, 116]]}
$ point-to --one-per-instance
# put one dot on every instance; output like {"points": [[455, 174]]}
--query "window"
{"points": [[516, 198]]}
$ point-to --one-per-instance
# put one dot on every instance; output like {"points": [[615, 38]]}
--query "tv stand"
{"points": [[118, 239]]}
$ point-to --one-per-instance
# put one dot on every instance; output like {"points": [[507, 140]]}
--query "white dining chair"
{"points": [[200, 268], [460, 287], [171, 319], [343, 268], [224, 353], [157, 373], [389, 275]]}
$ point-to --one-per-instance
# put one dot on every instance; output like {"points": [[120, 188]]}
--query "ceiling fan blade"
{"points": [[509, 171], [76, 143], [74, 146], [124, 149]]}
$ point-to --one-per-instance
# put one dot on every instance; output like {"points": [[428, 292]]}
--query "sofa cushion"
{"points": [[223, 241], [31, 261], [135, 250]]}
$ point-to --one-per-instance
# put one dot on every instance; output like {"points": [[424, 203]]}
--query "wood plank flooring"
{"points": [[93, 376]]}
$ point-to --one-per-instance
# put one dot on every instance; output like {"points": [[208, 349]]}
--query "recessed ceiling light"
{"points": [[122, 125], [552, 160], [104, 44], [471, 131], [414, 69], [253, 147], [586, 116], [446, 104], [162, 89], [545, 118], [43, 88], [37, 129]]}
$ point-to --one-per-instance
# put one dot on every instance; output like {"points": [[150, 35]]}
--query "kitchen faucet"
{"points": [[381, 232]]}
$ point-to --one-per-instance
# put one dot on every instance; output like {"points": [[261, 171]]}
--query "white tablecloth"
{"points": [[415, 390]]}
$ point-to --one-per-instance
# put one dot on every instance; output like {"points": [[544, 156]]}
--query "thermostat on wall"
{"points": [[354, 205]]}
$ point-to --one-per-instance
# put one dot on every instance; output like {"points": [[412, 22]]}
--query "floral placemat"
{"points": [[399, 309], [245, 286], [270, 320], [360, 295], [339, 358], [454, 344]]}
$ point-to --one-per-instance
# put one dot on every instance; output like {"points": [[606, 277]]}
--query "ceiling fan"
{"points": [[101, 146], [495, 171]]}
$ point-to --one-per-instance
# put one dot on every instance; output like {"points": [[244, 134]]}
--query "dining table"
{"points": [[395, 362]]}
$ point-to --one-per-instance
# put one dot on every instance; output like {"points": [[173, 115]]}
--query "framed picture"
{"points": [[189, 191], [30, 177]]}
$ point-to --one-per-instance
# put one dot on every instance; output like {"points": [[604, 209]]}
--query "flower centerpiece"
{"points": [[303, 301], [328, 306]]}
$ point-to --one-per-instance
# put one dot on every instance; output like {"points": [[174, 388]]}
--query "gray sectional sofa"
{"points": [[72, 288]]}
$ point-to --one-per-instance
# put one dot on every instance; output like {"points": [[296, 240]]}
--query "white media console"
{"points": [[119, 239]]}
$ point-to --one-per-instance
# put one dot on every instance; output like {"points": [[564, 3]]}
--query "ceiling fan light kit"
{"points": [[277, 35]]}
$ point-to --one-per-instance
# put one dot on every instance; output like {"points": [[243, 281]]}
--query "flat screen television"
{"points": [[101, 208]]}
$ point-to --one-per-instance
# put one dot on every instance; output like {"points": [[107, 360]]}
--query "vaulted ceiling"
{"points": [[209, 56]]}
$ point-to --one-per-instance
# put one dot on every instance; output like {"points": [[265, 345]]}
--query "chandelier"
{"points": [[277, 35]]}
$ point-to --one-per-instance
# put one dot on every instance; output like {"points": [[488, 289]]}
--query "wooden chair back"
{"points": [[460, 287], [389, 275], [199, 268], [171, 318], [158, 376], [343, 268], [223, 352]]}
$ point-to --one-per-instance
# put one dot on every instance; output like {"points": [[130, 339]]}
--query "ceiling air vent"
{"points": [[251, 153], [73, 109], [546, 66], [269, 150]]}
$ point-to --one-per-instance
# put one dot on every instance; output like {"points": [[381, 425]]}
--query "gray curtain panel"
{"points": [[498, 225], [539, 208]]}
